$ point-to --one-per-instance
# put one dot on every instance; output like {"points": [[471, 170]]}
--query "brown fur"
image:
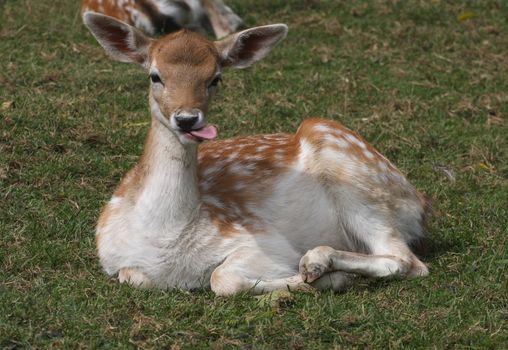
{"points": [[214, 21], [110, 8], [256, 186]]}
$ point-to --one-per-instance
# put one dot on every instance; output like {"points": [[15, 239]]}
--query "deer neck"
{"points": [[169, 195]]}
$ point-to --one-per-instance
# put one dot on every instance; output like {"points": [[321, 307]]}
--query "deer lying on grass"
{"points": [[239, 214], [164, 16]]}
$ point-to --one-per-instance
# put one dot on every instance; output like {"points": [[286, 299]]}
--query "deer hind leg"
{"points": [[134, 277], [389, 253], [249, 271], [320, 260], [325, 259], [367, 226]]}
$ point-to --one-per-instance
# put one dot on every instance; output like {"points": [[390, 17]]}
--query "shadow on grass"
{"points": [[431, 248], [434, 248]]}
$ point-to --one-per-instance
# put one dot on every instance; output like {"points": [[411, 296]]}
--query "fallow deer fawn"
{"points": [[164, 16], [239, 214]]}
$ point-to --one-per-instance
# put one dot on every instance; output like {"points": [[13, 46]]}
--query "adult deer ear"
{"points": [[121, 41], [242, 49]]}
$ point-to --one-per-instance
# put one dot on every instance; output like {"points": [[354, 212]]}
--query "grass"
{"points": [[424, 81]]}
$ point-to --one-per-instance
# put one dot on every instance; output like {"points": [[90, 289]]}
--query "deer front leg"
{"points": [[134, 277], [324, 259], [237, 274], [337, 281]]}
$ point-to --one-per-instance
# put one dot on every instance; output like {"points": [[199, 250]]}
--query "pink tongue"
{"points": [[209, 132]]}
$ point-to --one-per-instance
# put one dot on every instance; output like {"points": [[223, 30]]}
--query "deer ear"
{"points": [[242, 49], [121, 41]]}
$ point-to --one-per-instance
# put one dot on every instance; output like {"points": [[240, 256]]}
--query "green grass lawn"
{"points": [[426, 82]]}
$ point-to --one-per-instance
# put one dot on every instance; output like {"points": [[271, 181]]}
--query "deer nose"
{"points": [[187, 120]]}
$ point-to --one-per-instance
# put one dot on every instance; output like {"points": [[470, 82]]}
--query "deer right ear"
{"points": [[121, 41]]}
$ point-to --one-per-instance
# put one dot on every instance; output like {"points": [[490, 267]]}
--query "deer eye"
{"points": [[155, 78], [215, 82]]}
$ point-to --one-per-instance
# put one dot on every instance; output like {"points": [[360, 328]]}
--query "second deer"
{"points": [[165, 16], [258, 213]]}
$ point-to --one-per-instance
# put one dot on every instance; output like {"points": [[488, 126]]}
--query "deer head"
{"points": [[184, 67]]}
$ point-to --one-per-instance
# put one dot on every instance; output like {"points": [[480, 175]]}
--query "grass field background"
{"points": [[426, 82]]}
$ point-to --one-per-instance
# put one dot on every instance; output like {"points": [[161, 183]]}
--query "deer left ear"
{"points": [[121, 41], [242, 49]]}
